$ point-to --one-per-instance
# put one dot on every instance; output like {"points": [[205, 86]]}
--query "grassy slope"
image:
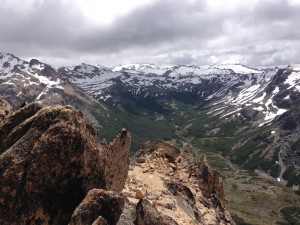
{"points": [[143, 126]]}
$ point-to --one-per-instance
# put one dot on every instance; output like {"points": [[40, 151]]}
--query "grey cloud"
{"points": [[274, 11], [60, 25], [49, 22], [269, 20], [162, 22], [49, 25], [185, 59], [265, 33]]}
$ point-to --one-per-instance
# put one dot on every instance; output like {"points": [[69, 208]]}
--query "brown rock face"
{"points": [[50, 159], [171, 188], [5, 109], [16, 125], [120, 164], [98, 207], [147, 214], [209, 180], [164, 148], [100, 221]]}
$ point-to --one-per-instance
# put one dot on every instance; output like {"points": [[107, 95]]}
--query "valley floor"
{"points": [[252, 197]]}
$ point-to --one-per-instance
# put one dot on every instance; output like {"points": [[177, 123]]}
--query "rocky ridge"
{"points": [[53, 170], [183, 190]]}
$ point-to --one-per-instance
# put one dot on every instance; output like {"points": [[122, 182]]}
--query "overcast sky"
{"points": [[110, 32]]}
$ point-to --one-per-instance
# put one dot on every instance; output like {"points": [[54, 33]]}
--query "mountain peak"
{"points": [[8, 63], [134, 66], [7, 57], [236, 67]]}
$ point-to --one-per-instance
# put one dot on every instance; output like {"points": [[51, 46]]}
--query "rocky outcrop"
{"points": [[278, 79], [174, 186], [128, 215], [17, 125], [251, 114], [98, 207], [5, 109], [120, 164], [209, 182], [162, 147], [290, 119], [147, 214], [50, 159]]}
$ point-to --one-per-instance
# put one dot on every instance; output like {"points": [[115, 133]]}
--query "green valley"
{"points": [[234, 147]]}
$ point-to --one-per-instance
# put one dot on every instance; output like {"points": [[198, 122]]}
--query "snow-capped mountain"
{"points": [[144, 67], [233, 89], [184, 70], [148, 81], [28, 79], [36, 81], [263, 101]]}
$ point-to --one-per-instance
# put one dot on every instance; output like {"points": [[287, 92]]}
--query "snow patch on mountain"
{"points": [[7, 64], [259, 99], [147, 80], [39, 66], [27, 77], [263, 96], [237, 68], [293, 80], [133, 66]]}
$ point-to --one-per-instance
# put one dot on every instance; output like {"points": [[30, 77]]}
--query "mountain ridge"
{"points": [[255, 97], [202, 85], [247, 120]]}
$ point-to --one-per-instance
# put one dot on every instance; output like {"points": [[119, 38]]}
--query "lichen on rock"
{"points": [[5, 109]]}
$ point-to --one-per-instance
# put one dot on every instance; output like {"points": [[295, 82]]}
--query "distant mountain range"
{"points": [[147, 81], [237, 86], [265, 100]]}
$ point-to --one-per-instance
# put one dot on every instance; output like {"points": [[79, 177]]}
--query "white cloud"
{"points": [[105, 12]]}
